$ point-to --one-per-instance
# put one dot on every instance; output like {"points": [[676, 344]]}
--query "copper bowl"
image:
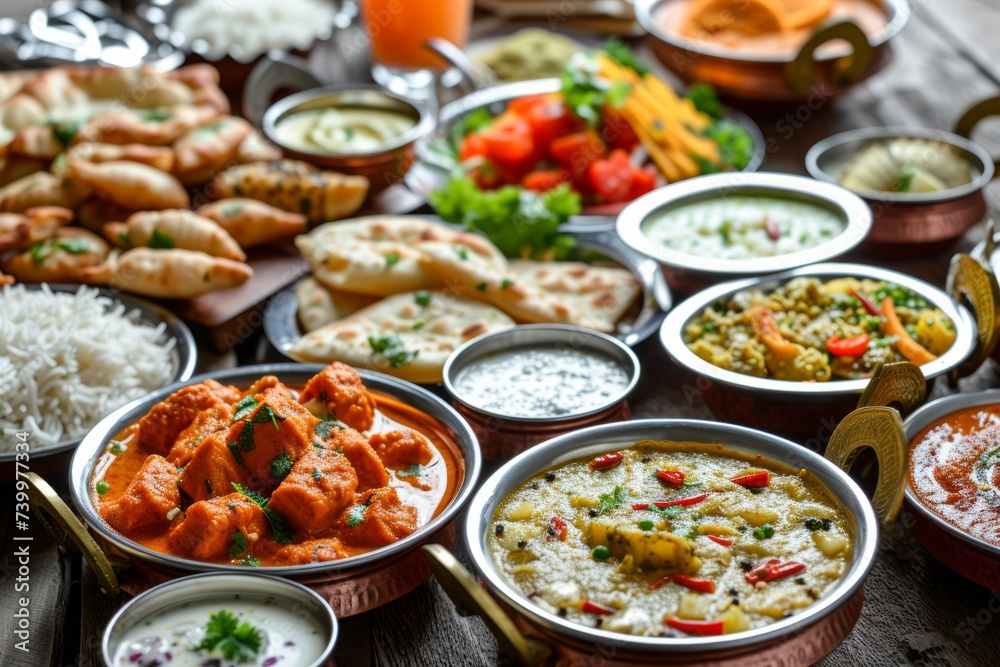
{"points": [[351, 585], [689, 273], [813, 408], [534, 636], [777, 80], [382, 168], [909, 222], [973, 558], [502, 436]]}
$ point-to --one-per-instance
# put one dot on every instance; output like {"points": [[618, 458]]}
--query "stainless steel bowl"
{"points": [[184, 356], [383, 167], [501, 435], [973, 558], [819, 627], [433, 168], [905, 221], [686, 271], [220, 587]]}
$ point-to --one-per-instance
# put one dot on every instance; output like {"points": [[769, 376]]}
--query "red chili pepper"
{"points": [[720, 540], [755, 480], [684, 502], [589, 607], [609, 460], [659, 582], [695, 627], [675, 477], [770, 569], [694, 583], [557, 528], [852, 347], [771, 227], [640, 506], [870, 306]]}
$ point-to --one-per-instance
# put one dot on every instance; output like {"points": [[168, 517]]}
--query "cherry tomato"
{"points": [[852, 347], [643, 181], [550, 118], [543, 181], [510, 145], [612, 178], [473, 145], [575, 152]]}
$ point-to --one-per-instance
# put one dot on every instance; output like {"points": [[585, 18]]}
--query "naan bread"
{"points": [[429, 332], [318, 306], [382, 256]]}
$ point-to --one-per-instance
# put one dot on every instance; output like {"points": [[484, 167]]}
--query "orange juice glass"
{"points": [[398, 29]]}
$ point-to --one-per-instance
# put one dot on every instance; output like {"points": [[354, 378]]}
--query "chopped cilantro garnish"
{"points": [[393, 349], [419, 324], [239, 545], [118, 447], [239, 642], [390, 259], [266, 414], [422, 298], [356, 515], [505, 283], [245, 439], [413, 470], [610, 501], [282, 534], [161, 240], [481, 287], [462, 253], [281, 465], [244, 407], [249, 561], [40, 251], [818, 524], [324, 427]]}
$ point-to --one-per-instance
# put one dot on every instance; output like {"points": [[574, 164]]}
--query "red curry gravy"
{"points": [[415, 491], [955, 470]]}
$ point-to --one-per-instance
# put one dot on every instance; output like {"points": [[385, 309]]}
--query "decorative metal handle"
{"points": [[275, 72], [881, 429], [68, 531], [900, 385], [801, 71], [470, 598], [971, 283], [973, 116]]}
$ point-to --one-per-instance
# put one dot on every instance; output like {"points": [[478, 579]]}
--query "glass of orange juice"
{"points": [[398, 29]]}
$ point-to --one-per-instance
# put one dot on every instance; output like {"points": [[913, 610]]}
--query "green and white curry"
{"points": [[672, 539]]}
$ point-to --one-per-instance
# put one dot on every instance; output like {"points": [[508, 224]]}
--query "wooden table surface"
{"points": [[916, 612]]}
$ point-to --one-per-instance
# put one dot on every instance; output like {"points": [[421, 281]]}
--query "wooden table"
{"points": [[916, 611]]}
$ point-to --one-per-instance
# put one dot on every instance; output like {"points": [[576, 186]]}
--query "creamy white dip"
{"points": [[539, 382], [170, 637], [742, 227], [352, 130]]}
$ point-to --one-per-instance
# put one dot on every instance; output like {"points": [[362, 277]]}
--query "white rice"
{"points": [[68, 360]]}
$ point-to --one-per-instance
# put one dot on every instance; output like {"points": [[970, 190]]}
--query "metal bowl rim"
{"points": [[872, 134], [187, 351], [671, 333], [897, 11], [469, 349], [856, 213], [916, 422], [564, 448], [293, 589], [93, 443]]}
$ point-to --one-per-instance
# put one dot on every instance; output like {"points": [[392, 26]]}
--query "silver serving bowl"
{"points": [[382, 167], [970, 556], [433, 168], [686, 270], [220, 587], [821, 626], [184, 356]]}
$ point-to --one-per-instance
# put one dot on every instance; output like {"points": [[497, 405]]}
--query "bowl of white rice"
{"points": [[72, 354]]}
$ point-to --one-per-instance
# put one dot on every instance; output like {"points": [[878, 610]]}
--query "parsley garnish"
{"points": [[160, 239], [390, 259], [393, 350], [609, 501], [266, 414], [481, 287], [505, 283], [249, 561], [281, 465], [670, 511], [239, 545], [282, 535], [245, 439], [236, 641], [356, 515], [419, 324], [412, 471], [244, 407], [462, 253], [65, 131], [40, 251], [422, 298], [323, 428], [235, 449]]}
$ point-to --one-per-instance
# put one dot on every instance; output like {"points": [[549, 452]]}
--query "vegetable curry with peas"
{"points": [[672, 539], [273, 475], [808, 330]]}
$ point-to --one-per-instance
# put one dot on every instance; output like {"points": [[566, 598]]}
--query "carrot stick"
{"points": [[910, 348]]}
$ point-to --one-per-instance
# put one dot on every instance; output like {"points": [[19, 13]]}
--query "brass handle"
{"points": [[880, 428], [470, 597], [973, 116], [900, 385], [801, 71], [68, 531], [971, 283]]}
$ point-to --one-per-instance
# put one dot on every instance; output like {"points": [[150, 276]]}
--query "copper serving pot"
{"points": [[531, 635], [689, 273], [777, 80], [383, 167], [966, 554], [350, 585], [502, 436], [817, 406], [908, 222]]}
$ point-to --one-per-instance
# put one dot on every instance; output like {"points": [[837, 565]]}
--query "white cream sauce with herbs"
{"points": [[171, 637], [539, 382], [351, 130], [742, 227]]}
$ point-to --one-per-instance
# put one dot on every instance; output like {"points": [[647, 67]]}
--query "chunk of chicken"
{"points": [[339, 388], [160, 428], [401, 449], [311, 551], [371, 473], [379, 518], [212, 471], [206, 422], [207, 529], [318, 488], [149, 497]]}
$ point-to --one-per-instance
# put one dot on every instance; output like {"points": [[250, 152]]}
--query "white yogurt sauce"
{"points": [[352, 130], [539, 382], [170, 637], [741, 227]]}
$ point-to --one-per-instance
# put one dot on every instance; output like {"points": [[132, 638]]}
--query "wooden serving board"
{"points": [[223, 319]]}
